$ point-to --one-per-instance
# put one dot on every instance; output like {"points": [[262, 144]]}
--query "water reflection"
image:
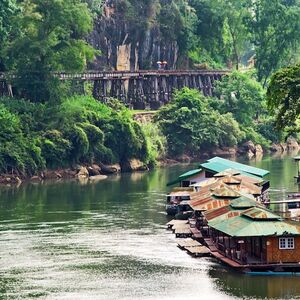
{"points": [[107, 240]]}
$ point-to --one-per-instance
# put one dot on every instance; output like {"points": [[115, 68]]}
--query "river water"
{"points": [[107, 240]]}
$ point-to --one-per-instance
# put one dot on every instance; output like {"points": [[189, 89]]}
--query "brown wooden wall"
{"points": [[276, 255]]}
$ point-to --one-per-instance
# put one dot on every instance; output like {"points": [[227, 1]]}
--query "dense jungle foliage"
{"points": [[48, 125], [77, 130]]}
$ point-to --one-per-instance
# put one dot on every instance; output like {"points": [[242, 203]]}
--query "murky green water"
{"points": [[108, 241]]}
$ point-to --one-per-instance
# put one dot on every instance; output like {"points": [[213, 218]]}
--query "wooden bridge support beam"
{"points": [[144, 91]]}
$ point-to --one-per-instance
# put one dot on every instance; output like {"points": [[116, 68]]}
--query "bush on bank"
{"points": [[193, 123], [79, 129]]}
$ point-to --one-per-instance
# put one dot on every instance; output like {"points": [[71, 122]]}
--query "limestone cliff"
{"points": [[135, 34]]}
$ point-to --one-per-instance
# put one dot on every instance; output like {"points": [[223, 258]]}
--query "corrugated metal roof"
{"points": [[225, 191], [185, 176], [227, 172], [200, 200], [247, 188], [243, 202], [204, 183], [242, 226], [229, 179], [250, 179], [218, 164], [235, 208], [259, 213], [210, 204], [225, 216], [215, 213]]}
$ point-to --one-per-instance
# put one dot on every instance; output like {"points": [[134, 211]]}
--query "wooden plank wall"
{"points": [[276, 255]]}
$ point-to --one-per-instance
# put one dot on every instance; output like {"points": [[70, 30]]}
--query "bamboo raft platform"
{"points": [[198, 251], [183, 232], [193, 247], [188, 243], [175, 223]]}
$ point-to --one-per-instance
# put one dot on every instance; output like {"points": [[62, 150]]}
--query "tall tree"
{"points": [[51, 39], [242, 96], [221, 28], [235, 34], [283, 97], [275, 30], [7, 9]]}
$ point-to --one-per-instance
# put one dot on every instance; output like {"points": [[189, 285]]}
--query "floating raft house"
{"points": [[218, 165]]}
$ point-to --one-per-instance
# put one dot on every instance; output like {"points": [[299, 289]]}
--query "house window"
{"points": [[286, 243]]}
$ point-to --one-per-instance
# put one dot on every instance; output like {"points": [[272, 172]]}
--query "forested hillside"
{"points": [[185, 33], [48, 125]]}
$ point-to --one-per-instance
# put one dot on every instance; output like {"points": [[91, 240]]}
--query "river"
{"points": [[107, 240]]}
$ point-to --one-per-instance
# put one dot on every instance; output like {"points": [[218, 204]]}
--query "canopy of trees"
{"points": [[46, 36], [284, 97]]}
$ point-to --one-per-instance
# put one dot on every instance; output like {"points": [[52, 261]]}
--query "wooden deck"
{"points": [[227, 260], [210, 244], [196, 233]]}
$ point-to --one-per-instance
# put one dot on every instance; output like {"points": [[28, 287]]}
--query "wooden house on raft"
{"points": [[250, 237], [220, 167]]}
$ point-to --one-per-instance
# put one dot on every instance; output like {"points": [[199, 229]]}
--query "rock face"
{"points": [[94, 170], [250, 149], [133, 165], [258, 149], [83, 173], [130, 38], [292, 144], [276, 148]]}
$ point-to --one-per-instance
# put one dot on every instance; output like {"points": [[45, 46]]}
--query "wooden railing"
{"points": [[96, 75]]}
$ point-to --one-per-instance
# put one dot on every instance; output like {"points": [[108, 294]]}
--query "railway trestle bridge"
{"points": [[137, 89]]}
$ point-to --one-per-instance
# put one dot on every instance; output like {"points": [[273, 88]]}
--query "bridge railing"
{"points": [[94, 75]]}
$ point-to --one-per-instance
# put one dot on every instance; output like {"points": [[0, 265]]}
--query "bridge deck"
{"points": [[138, 89], [96, 75]]}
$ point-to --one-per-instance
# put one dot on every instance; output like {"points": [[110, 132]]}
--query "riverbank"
{"points": [[96, 172]]}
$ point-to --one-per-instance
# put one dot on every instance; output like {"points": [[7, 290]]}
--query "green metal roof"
{"points": [[185, 176], [218, 164], [241, 226], [220, 214], [243, 202], [258, 213], [235, 208]]}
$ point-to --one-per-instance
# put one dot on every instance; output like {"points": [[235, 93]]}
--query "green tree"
{"points": [[275, 29], [235, 32], [283, 97], [221, 29], [240, 95], [18, 153], [209, 28], [50, 39], [8, 9], [191, 125]]}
